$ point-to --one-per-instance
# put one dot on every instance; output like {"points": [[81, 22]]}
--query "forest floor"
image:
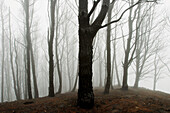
{"points": [[118, 101]]}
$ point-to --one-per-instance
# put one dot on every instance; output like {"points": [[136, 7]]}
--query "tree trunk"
{"points": [[115, 58], [3, 55], [56, 49], [75, 83], [50, 47], [127, 52], [36, 93], [28, 48], [17, 73], [26, 79], [100, 70], [154, 83], [125, 74], [108, 82], [85, 91], [68, 68], [137, 68], [138, 49], [87, 33]]}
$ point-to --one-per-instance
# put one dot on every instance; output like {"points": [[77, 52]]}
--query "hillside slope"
{"points": [[118, 101]]}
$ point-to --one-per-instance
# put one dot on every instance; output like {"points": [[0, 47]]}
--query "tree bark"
{"points": [[85, 92], [87, 33]]}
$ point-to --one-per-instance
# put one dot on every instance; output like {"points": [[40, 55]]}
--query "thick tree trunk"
{"points": [[86, 34], [85, 91]]}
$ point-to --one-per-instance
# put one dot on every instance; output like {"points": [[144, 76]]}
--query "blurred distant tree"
{"points": [[28, 7], [3, 50], [108, 82], [50, 37]]}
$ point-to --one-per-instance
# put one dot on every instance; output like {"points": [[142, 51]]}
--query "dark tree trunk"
{"points": [[85, 91], [50, 47], [28, 48], [86, 34]]}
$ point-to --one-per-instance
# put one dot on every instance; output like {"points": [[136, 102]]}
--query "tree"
{"points": [[3, 52], [26, 7], [108, 82], [146, 43], [143, 44], [50, 46], [87, 33], [11, 60], [130, 47]]}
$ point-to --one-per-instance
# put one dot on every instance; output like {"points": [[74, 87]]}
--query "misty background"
{"points": [[68, 46]]}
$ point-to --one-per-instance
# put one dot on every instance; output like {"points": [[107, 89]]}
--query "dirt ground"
{"points": [[118, 101]]}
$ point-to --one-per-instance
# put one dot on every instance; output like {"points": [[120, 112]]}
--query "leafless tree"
{"points": [[3, 50]]}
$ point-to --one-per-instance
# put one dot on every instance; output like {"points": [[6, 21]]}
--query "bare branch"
{"points": [[95, 3], [114, 21]]}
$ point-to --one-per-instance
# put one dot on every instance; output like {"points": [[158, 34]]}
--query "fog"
{"points": [[68, 47]]}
